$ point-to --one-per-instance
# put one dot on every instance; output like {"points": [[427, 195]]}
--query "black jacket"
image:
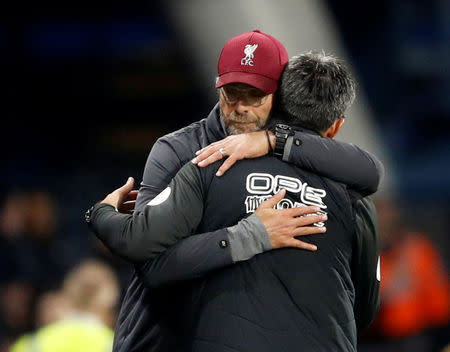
{"points": [[280, 300], [138, 328]]}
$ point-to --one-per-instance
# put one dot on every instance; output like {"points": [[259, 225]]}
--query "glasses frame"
{"points": [[246, 101]]}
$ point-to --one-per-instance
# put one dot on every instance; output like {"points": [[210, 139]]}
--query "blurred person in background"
{"points": [[16, 306], [84, 314], [51, 307], [121, 267], [29, 262], [29, 231], [16, 293], [256, 60], [415, 297]]}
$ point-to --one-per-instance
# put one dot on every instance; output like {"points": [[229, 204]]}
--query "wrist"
{"points": [[248, 238], [111, 199], [282, 133], [272, 140]]}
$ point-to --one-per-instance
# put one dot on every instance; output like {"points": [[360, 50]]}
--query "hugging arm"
{"points": [[343, 162], [340, 161], [160, 224], [175, 255], [159, 236], [150, 230]]}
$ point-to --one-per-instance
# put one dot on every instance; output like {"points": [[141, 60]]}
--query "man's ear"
{"points": [[334, 128]]}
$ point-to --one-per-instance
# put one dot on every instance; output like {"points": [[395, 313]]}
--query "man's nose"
{"points": [[241, 108]]}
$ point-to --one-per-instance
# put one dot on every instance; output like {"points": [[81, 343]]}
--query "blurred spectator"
{"points": [[84, 316], [93, 288], [415, 298], [122, 268], [33, 265], [15, 310], [27, 240], [51, 307], [29, 262], [13, 215]]}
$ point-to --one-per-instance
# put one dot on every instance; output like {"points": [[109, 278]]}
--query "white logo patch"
{"points": [[378, 270], [261, 186], [160, 198], [249, 56]]}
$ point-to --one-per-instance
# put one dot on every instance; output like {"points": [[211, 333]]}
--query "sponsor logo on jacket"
{"points": [[262, 186]]}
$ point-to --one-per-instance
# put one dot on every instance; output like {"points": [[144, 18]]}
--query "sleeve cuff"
{"points": [[248, 238], [99, 206], [92, 212], [287, 148]]}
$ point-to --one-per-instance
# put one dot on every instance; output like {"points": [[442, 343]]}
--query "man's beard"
{"points": [[240, 123]]}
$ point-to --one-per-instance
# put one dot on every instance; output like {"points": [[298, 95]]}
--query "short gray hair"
{"points": [[315, 90]]}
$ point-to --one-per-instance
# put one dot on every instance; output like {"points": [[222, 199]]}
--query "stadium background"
{"points": [[88, 87]]}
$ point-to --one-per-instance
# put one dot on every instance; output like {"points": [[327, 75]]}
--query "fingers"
{"points": [[272, 201], [302, 245], [204, 153], [299, 211], [310, 219], [127, 187], [127, 207], [229, 162], [121, 194], [131, 196], [210, 159], [210, 150], [212, 146], [308, 230]]}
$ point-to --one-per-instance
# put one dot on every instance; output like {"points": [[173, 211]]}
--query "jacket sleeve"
{"points": [[197, 255], [161, 166], [366, 263], [190, 258], [340, 161], [168, 218], [159, 237], [135, 239]]}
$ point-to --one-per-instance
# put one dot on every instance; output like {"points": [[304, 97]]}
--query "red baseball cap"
{"points": [[254, 58]]}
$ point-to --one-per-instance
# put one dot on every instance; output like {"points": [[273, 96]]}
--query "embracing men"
{"points": [[233, 291]]}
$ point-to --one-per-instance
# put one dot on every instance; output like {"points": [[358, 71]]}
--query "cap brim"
{"points": [[267, 85]]}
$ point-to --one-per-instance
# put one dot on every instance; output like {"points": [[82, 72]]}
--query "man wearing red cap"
{"points": [[249, 68]]}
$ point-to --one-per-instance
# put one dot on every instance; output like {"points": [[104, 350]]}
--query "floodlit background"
{"points": [[88, 88]]}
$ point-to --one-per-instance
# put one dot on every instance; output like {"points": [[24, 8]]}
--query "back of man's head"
{"points": [[315, 90]]}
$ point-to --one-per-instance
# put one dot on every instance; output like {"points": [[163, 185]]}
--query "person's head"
{"points": [[93, 287], [16, 299], [315, 90], [52, 306], [249, 68], [42, 215]]}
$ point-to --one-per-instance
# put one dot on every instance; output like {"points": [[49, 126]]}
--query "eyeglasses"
{"points": [[232, 98]]}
